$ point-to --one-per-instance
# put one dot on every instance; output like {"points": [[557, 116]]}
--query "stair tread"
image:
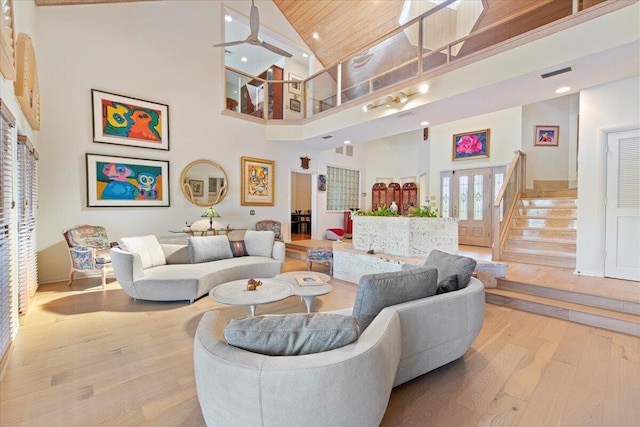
{"points": [[542, 239], [603, 312], [544, 253], [522, 227]]}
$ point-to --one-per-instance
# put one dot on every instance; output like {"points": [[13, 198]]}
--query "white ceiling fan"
{"points": [[254, 24]]}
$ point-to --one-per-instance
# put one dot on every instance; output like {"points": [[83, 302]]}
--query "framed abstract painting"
{"points": [[471, 145], [114, 181], [129, 121], [258, 182]]}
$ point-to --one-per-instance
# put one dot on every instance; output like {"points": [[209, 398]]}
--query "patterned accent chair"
{"points": [[270, 225], [321, 256], [89, 250]]}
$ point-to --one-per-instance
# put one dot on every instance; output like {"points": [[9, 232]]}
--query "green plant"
{"points": [[425, 212], [381, 211]]}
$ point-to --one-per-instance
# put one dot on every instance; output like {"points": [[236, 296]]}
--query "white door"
{"points": [[622, 259]]}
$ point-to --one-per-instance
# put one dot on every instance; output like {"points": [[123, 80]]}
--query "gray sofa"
{"points": [[346, 386], [149, 270]]}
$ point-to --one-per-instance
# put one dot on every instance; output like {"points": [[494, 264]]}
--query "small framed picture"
{"points": [[547, 136], [197, 187], [295, 87], [294, 105]]}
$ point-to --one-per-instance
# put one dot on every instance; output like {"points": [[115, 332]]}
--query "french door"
{"points": [[468, 195]]}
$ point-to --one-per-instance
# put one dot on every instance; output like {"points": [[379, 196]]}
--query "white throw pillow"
{"points": [[208, 248], [259, 243], [147, 247]]}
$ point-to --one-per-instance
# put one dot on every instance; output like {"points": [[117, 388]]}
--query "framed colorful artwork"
{"points": [[129, 121], [197, 187], [114, 181], [258, 182], [547, 136], [471, 145]]}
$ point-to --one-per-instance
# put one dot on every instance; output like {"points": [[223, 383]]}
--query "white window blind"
{"points": [[343, 189], [7, 315], [27, 175]]}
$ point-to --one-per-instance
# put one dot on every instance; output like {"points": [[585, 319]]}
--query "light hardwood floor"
{"points": [[87, 357]]}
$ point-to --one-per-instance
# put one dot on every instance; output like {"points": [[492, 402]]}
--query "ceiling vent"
{"points": [[327, 137], [405, 114], [556, 72]]}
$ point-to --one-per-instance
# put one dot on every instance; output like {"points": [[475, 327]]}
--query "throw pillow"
{"points": [[176, 254], [208, 248], [259, 243], [448, 284], [147, 247], [448, 264], [292, 334], [377, 291], [238, 248]]}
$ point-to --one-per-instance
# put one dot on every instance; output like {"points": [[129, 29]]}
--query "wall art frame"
{"points": [[258, 182], [197, 187], [471, 145], [294, 105], [115, 181], [123, 120], [295, 88], [546, 136]]}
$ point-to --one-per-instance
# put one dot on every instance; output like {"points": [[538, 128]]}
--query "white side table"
{"points": [[236, 293], [308, 292]]}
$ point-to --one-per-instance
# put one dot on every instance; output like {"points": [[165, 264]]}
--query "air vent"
{"points": [[555, 73], [339, 150], [405, 114], [327, 137], [349, 150]]}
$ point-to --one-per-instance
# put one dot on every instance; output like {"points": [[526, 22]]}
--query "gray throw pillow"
{"points": [[292, 334], [377, 291], [208, 248], [448, 284], [259, 243], [448, 264]]}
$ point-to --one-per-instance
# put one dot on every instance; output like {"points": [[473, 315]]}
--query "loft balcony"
{"points": [[445, 44]]}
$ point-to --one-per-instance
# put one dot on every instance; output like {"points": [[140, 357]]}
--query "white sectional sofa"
{"points": [[346, 386], [149, 270]]}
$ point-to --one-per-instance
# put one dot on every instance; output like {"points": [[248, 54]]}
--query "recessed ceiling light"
{"points": [[315, 35], [305, 55], [424, 123], [424, 88], [563, 89], [347, 142], [228, 18], [244, 59]]}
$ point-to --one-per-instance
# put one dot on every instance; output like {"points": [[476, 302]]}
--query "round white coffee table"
{"points": [[306, 292], [236, 293]]}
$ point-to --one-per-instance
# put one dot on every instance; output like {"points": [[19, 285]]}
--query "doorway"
{"points": [[622, 224], [301, 206], [468, 195]]}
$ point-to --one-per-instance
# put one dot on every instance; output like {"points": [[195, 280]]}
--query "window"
{"points": [[343, 189], [27, 180], [7, 313]]}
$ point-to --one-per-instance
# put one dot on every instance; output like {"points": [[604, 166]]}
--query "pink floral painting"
{"points": [[471, 145]]}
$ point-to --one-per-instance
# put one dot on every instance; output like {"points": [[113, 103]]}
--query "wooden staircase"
{"points": [[543, 230], [594, 310]]}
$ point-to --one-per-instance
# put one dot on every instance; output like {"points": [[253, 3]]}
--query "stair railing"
{"points": [[506, 201]]}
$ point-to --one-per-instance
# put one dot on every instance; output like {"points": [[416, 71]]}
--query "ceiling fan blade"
{"points": [[229, 43], [254, 21], [275, 49]]}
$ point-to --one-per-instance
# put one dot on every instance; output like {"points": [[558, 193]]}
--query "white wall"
{"points": [[157, 51], [606, 108], [505, 138], [550, 163]]}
